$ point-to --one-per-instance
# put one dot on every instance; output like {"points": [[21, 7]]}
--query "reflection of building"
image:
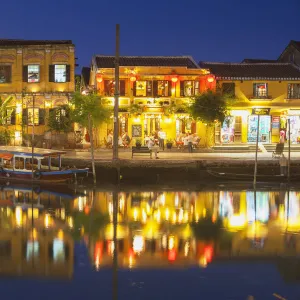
{"points": [[37, 254], [153, 93], [43, 69]]}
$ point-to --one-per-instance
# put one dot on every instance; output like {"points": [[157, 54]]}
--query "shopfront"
{"points": [[294, 117], [264, 133]]}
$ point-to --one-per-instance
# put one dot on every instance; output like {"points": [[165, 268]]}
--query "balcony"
{"points": [[260, 97]]}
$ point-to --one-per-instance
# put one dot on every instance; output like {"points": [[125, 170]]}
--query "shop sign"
{"points": [[275, 122], [261, 111], [294, 112]]}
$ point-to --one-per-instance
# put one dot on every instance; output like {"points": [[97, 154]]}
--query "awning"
{"points": [[6, 156]]}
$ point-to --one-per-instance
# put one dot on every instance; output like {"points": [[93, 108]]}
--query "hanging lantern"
{"points": [[210, 79], [132, 78], [174, 79], [99, 78]]}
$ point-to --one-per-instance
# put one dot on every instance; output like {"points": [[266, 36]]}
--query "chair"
{"points": [[197, 143], [278, 151]]}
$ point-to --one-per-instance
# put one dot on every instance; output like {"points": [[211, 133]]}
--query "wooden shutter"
{"points": [[51, 73], [106, 88], [122, 87], [24, 116], [193, 127], [254, 89], [25, 73], [134, 88], [68, 73], [41, 116], [13, 117], [169, 88], [8, 68], [149, 89], [155, 88], [181, 88], [267, 90]]}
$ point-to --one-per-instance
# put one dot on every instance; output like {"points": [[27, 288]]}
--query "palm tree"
{"points": [[89, 111]]}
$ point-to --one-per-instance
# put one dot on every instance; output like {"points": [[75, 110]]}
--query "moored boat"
{"points": [[249, 177], [42, 165]]}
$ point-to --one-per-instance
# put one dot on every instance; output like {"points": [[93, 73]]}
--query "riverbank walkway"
{"points": [[106, 154]]}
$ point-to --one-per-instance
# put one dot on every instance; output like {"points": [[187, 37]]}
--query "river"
{"points": [[161, 242]]}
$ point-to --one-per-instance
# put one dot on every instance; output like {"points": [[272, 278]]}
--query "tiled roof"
{"points": [[11, 42], [103, 61], [271, 71], [85, 74], [257, 61], [296, 44]]}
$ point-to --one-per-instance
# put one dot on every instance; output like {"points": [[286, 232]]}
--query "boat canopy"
{"points": [[27, 151], [7, 156]]}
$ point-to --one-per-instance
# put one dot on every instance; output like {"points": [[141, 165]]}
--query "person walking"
{"points": [[283, 165]]}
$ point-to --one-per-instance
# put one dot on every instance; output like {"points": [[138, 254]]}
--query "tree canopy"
{"points": [[209, 107], [89, 105], [60, 119]]}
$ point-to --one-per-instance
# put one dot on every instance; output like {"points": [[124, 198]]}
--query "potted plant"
{"points": [[138, 143], [169, 144]]}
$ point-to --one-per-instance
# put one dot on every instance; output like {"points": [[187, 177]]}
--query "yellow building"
{"points": [[153, 92], [35, 76], [267, 88]]}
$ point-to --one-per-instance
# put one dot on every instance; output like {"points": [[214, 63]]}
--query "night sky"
{"points": [[211, 30]]}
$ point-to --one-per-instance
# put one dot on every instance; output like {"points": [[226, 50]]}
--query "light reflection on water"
{"points": [[40, 228]]}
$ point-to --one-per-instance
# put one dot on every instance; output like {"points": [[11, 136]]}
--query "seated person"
{"points": [[126, 139], [196, 140], [120, 141]]}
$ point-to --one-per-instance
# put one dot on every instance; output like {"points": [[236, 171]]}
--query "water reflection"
{"points": [[151, 229]]}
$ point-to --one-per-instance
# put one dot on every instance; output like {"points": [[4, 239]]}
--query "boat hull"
{"points": [[57, 176]]}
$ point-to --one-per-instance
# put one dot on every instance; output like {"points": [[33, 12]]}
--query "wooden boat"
{"points": [[249, 177], [16, 164]]}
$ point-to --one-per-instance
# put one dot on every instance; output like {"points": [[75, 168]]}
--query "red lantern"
{"points": [[132, 78], [210, 79], [174, 79], [99, 78]]}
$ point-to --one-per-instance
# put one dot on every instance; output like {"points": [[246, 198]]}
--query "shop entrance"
{"points": [[151, 124], [230, 131], [185, 125], [264, 129]]}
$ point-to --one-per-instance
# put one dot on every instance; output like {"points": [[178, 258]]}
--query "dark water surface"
{"points": [[220, 242]]}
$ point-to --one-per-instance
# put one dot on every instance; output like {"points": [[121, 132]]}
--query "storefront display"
{"points": [[295, 129], [227, 130], [264, 129]]}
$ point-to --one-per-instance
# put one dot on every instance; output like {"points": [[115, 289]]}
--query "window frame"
{"points": [[291, 92], [148, 88], [39, 73], [9, 72], [255, 90], [32, 119], [194, 90], [65, 75]]}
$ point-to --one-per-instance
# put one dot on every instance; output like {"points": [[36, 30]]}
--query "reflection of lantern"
{"points": [[210, 79], [174, 79], [132, 78], [99, 78]]}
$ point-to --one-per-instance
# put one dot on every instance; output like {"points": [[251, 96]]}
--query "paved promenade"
{"points": [[105, 155]]}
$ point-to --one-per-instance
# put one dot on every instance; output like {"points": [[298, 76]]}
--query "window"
{"points": [[60, 73], [19, 163], [189, 88], [10, 116], [293, 91], [163, 88], [260, 90], [143, 88], [5, 74], [228, 89], [109, 88], [33, 73], [33, 115]]}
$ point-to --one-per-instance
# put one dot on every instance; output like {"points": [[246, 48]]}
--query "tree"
{"points": [[60, 119], [89, 111], [209, 108]]}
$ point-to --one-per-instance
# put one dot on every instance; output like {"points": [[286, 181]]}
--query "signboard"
{"points": [[275, 122], [136, 130], [261, 111]]}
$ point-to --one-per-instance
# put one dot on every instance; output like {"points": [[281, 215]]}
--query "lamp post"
{"points": [[116, 105]]}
